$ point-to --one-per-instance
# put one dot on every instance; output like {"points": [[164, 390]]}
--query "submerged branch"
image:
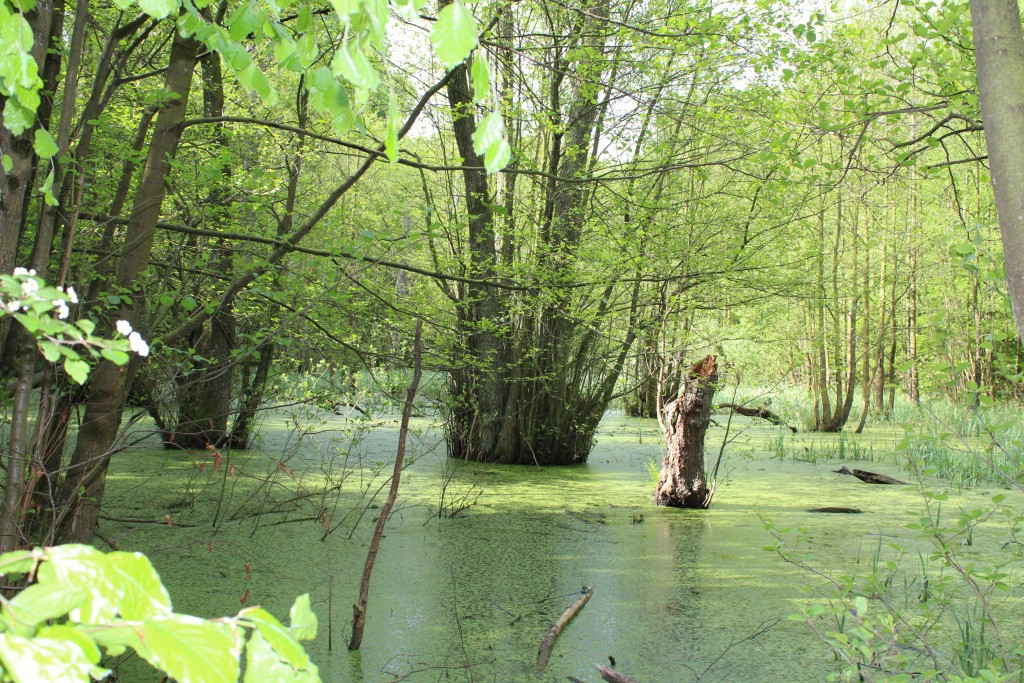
{"points": [[549, 639]]}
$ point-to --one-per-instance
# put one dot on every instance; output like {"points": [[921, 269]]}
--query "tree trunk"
{"points": [[683, 482], [86, 476], [999, 53], [205, 399]]}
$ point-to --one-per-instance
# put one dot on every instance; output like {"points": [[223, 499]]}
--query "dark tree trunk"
{"points": [[253, 385], [683, 482], [205, 399], [86, 475]]}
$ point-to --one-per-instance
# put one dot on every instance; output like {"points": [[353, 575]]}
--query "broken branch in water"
{"points": [[612, 676], [549, 639], [762, 413], [871, 477]]}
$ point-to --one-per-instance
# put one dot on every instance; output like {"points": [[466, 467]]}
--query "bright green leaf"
{"points": [[143, 595], [44, 144], [42, 602], [277, 636], [77, 370], [303, 621], [192, 650], [480, 76], [488, 131], [158, 9], [454, 34]]}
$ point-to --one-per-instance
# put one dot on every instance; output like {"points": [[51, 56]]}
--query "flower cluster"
{"points": [[43, 311], [135, 340], [27, 290]]}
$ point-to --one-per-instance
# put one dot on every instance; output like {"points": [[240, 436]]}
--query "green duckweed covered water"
{"points": [[678, 593]]}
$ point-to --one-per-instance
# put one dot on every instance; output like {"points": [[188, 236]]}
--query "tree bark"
{"points": [[999, 53], [86, 476], [683, 482], [205, 397]]}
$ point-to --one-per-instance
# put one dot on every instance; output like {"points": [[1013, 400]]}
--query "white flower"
{"points": [[124, 327], [62, 309], [138, 344], [20, 271], [72, 295], [13, 305], [29, 287]]}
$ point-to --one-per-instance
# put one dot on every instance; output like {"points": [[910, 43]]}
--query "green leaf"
{"points": [[47, 189], [480, 76], [44, 144], [17, 117], [143, 595], [31, 660], [192, 650], [351, 64], [303, 621], [277, 636], [454, 34], [17, 562], [42, 602], [489, 131], [77, 370], [263, 665], [304, 21], [497, 157], [391, 140], [8, 163], [86, 568], [158, 9], [73, 633], [51, 352], [115, 356], [118, 638]]}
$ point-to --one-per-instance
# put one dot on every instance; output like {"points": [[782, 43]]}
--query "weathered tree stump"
{"points": [[683, 482]]}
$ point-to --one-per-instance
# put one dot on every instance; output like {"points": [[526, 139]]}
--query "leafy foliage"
{"points": [[82, 603]]}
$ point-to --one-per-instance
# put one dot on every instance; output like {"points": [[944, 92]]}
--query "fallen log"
{"points": [[837, 509], [762, 413], [872, 477], [612, 676], [549, 639]]}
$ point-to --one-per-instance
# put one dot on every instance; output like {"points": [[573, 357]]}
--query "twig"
{"points": [[359, 609], [549, 640]]}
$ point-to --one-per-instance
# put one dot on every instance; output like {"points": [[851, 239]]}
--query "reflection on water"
{"points": [[678, 592]]}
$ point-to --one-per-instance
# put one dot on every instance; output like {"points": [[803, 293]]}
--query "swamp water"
{"points": [[679, 594]]}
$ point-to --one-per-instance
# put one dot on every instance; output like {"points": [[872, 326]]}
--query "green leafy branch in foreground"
{"points": [[81, 600], [43, 311]]}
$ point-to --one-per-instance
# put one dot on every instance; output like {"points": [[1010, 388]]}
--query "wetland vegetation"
{"points": [[671, 270]]}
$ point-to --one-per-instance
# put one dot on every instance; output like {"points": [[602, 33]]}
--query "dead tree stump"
{"points": [[684, 422]]}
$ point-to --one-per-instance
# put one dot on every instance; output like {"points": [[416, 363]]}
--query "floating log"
{"points": [[549, 639], [872, 477], [762, 413], [838, 509], [612, 676]]}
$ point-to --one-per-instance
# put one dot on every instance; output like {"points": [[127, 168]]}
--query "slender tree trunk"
{"points": [[359, 609], [86, 475]]}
